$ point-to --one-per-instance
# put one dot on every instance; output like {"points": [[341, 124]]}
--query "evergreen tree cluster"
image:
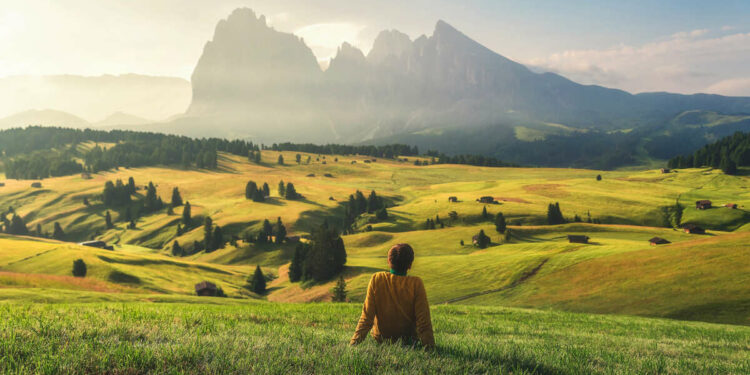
{"points": [[213, 236], [257, 194], [554, 215], [38, 152], [727, 153], [319, 260], [118, 194], [257, 282], [385, 151], [477, 160]]}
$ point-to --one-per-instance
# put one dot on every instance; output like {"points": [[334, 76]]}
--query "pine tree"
{"points": [[500, 225], [280, 231], [176, 249], [176, 198], [266, 190], [39, 232], [57, 232], [108, 220], [485, 216], [554, 215], [257, 157], [339, 291], [257, 282], [373, 202], [298, 262], [280, 161], [381, 214], [267, 232], [282, 189], [186, 214], [482, 240], [208, 231], [17, 226], [728, 166], [218, 239], [326, 256], [598, 177], [298, 158], [291, 192], [250, 190], [79, 268], [131, 185]]}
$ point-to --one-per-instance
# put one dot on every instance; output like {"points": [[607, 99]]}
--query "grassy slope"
{"points": [[450, 271], [260, 337]]}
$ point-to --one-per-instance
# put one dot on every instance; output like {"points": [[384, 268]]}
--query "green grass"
{"points": [[268, 338]]}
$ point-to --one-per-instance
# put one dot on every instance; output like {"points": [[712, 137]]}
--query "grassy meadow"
{"points": [[531, 303], [220, 335]]}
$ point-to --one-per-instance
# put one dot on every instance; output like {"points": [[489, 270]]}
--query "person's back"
{"points": [[396, 305]]}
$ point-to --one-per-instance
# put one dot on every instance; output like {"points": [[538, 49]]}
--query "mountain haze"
{"points": [[254, 81]]}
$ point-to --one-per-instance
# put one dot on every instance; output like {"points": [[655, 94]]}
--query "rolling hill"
{"points": [[696, 277]]}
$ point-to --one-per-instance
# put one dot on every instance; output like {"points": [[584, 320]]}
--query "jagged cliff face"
{"points": [[254, 81]]}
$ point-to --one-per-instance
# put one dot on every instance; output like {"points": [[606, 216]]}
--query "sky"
{"points": [[682, 46]]}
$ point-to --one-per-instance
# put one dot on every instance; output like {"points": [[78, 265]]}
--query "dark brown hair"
{"points": [[400, 257]]}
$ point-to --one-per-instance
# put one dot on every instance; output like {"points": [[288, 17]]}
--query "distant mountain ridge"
{"points": [[93, 98]]}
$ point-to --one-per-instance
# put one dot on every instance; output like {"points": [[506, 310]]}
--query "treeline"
{"points": [[385, 151], [477, 160], [23, 157], [727, 153]]}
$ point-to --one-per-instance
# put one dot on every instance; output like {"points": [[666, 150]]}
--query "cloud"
{"points": [[731, 87], [325, 38], [687, 62]]}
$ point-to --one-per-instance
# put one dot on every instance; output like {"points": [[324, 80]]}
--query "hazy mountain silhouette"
{"points": [[254, 81]]}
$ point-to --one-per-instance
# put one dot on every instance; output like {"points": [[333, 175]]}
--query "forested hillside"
{"points": [[727, 153]]}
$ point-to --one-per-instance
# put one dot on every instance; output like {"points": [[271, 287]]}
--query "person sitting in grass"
{"points": [[396, 304]]}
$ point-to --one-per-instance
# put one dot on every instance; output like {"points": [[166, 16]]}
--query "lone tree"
{"points": [[282, 189], [280, 161], [280, 231], [298, 158], [257, 282], [79, 268], [485, 215], [500, 223], [339, 291], [598, 177], [57, 232], [266, 190], [108, 220], [208, 231], [176, 198], [218, 239], [186, 218], [177, 249]]}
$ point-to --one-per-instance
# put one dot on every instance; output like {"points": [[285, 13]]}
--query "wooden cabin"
{"points": [[2, 184], [452, 199], [206, 289], [658, 241], [693, 229], [36, 184], [575, 238], [97, 244], [731, 205], [486, 199], [665, 170], [703, 204]]}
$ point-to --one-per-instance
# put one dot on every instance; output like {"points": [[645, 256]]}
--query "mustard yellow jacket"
{"points": [[395, 308]]}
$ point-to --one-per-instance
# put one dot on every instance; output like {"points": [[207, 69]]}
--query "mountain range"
{"points": [[254, 81]]}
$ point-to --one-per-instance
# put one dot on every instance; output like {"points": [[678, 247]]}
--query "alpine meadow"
{"points": [[322, 197]]}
